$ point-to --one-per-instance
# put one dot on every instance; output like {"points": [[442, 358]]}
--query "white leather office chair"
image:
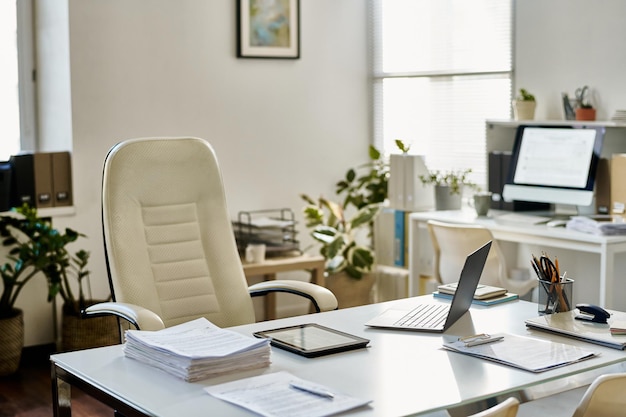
{"points": [[453, 242], [507, 408], [604, 397], [170, 249]]}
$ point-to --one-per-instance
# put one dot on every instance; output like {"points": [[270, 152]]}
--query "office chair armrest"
{"points": [[322, 298], [141, 318]]}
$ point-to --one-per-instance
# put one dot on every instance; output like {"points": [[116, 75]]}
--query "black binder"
{"points": [[5, 186], [31, 180]]}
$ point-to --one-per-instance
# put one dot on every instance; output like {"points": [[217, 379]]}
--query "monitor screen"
{"points": [[554, 164]]}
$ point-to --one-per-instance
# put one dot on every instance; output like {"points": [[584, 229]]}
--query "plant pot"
{"points": [[524, 110], [445, 200], [84, 333], [585, 114], [11, 342], [351, 292]]}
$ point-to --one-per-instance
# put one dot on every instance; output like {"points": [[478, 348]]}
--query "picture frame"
{"points": [[268, 29]]}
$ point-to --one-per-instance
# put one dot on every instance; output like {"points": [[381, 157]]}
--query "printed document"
{"points": [[522, 352], [273, 395]]}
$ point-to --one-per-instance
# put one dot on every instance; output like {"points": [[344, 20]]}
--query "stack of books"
{"points": [[197, 350], [485, 294], [619, 116]]}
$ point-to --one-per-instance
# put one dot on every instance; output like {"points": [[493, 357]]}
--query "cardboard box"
{"points": [[618, 184]]}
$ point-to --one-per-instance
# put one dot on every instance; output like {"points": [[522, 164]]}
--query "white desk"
{"points": [[404, 373], [608, 248]]}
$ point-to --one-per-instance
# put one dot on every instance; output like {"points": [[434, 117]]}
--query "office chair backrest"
{"points": [[604, 397], [168, 237], [507, 408], [452, 243]]}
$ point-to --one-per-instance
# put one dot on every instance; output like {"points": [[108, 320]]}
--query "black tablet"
{"points": [[312, 340]]}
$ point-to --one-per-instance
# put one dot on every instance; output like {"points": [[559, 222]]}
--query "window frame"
{"points": [[378, 75], [27, 75]]}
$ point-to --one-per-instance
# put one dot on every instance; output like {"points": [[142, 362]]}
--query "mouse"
{"points": [[556, 223], [592, 313]]}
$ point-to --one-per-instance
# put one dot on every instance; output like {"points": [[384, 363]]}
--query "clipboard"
{"points": [[312, 340]]}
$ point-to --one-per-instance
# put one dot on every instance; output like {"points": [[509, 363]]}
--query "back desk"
{"points": [[594, 262], [404, 373]]}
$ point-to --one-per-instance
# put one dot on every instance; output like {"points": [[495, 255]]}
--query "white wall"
{"points": [[561, 45], [169, 68], [280, 127]]}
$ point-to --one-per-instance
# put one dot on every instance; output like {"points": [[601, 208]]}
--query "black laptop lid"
{"points": [[468, 282]]}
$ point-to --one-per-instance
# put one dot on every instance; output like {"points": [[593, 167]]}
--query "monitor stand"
{"points": [[564, 211]]}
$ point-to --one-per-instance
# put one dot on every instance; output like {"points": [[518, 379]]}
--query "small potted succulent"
{"points": [[449, 187], [584, 108], [524, 105]]}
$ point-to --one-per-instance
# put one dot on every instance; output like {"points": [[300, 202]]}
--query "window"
{"points": [[17, 115], [440, 69]]}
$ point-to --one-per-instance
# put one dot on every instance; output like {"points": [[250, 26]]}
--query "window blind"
{"points": [[440, 68]]}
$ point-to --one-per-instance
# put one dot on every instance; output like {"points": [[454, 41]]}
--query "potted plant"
{"points": [[449, 187], [524, 105], [366, 184], [28, 241], [584, 108], [348, 261], [36, 246]]}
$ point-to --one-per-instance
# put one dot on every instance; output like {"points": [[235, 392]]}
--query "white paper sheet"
{"points": [[526, 353], [272, 395]]}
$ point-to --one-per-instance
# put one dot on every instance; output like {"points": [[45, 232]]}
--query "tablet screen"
{"points": [[312, 339]]}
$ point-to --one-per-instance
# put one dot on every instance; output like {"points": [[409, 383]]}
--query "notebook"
{"points": [[439, 317]]}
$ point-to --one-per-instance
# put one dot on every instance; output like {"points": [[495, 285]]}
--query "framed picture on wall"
{"points": [[268, 29]]}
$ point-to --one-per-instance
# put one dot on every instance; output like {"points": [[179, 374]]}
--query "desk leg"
{"points": [[270, 300], [61, 396], [317, 275]]}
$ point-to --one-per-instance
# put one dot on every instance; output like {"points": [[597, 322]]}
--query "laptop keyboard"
{"points": [[425, 316]]}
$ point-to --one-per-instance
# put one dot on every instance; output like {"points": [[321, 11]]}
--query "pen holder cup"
{"points": [[555, 297]]}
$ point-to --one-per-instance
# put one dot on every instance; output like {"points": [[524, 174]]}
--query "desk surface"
{"points": [[609, 248], [404, 373], [468, 216]]}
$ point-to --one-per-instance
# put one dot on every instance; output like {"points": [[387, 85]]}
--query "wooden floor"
{"points": [[28, 392]]}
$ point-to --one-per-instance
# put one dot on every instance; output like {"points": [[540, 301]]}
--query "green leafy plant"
{"points": [[456, 180], [524, 95], [367, 183], [337, 234], [37, 247]]}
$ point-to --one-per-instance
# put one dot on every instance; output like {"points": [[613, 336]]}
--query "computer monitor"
{"points": [[554, 164]]}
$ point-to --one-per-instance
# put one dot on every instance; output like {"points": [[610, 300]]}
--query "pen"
{"points": [[479, 339], [312, 390]]}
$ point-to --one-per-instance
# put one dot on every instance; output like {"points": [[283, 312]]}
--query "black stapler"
{"points": [[590, 312]]}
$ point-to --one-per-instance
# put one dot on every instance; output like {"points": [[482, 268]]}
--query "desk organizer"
{"points": [[276, 228]]}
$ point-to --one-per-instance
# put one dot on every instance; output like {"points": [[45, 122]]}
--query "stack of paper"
{"points": [[618, 327], [606, 225], [197, 350], [619, 116]]}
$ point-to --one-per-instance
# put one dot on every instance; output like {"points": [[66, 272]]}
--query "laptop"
{"points": [[438, 318]]}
